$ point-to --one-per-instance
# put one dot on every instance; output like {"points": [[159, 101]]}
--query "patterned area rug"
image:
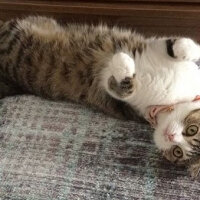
{"points": [[56, 150]]}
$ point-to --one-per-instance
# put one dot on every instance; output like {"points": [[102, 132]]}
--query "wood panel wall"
{"points": [[163, 17]]}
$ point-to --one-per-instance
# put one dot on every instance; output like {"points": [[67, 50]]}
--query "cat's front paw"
{"points": [[122, 66], [183, 49], [122, 82]]}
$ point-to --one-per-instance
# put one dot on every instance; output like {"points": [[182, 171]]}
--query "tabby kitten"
{"points": [[186, 138], [112, 69]]}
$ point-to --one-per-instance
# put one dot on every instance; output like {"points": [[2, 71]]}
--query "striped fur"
{"points": [[40, 57]]}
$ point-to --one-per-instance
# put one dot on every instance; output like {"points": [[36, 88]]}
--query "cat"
{"points": [[113, 69]]}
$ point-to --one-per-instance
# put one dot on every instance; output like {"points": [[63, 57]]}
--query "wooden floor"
{"points": [[164, 17]]}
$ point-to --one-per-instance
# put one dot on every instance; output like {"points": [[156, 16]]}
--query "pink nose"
{"points": [[170, 137]]}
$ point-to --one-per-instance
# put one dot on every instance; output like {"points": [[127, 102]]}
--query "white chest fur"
{"points": [[164, 81], [159, 78]]}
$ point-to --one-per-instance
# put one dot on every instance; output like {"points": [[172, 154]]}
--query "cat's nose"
{"points": [[171, 136]]}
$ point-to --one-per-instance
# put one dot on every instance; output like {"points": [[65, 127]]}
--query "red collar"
{"points": [[153, 111]]}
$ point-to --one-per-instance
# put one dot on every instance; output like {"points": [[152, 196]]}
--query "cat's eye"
{"points": [[177, 152], [192, 130]]}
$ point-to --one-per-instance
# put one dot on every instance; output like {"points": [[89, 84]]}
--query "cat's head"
{"points": [[177, 132]]}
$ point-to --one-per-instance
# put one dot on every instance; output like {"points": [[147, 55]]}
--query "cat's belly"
{"points": [[166, 86]]}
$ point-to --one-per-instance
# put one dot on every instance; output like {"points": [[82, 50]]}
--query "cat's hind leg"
{"points": [[118, 78], [176, 49]]}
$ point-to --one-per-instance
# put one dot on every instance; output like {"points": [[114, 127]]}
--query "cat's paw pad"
{"points": [[127, 85], [122, 66], [186, 49], [124, 88]]}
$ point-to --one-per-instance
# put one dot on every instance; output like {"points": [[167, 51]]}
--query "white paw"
{"points": [[122, 66], [186, 49]]}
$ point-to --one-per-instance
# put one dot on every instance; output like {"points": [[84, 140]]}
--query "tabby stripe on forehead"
{"points": [[197, 152], [198, 141], [189, 154], [194, 146], [194, 152]]}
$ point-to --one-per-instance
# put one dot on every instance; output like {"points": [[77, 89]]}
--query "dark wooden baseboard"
{"points": [[165, 17]]}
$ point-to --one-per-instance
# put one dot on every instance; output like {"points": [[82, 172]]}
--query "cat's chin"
{"points": [[161, 141]]}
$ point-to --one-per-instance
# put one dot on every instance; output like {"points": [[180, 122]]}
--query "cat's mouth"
{"points": [[168, 135], [173, 134]]}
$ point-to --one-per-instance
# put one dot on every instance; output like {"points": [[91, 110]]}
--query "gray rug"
{"points": [[55, 150]]}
